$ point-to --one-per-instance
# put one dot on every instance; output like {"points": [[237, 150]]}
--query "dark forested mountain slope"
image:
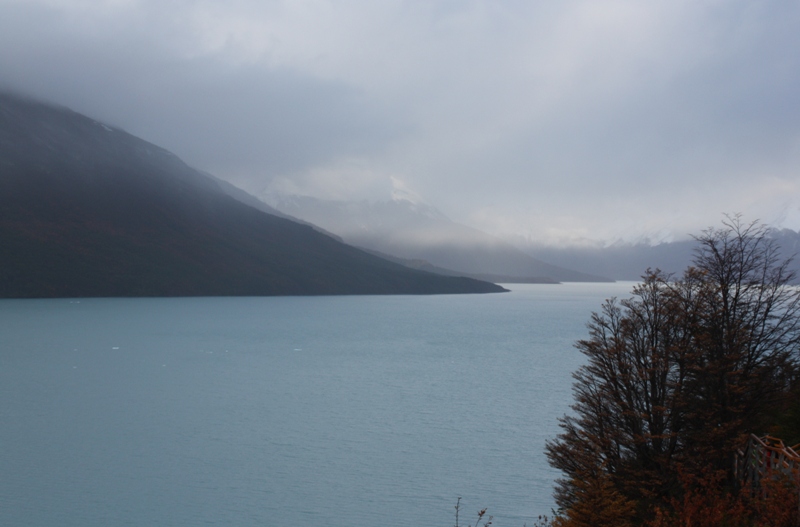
{"points": [[89, 210]]}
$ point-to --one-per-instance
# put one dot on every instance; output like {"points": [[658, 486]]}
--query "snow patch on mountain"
{"points": [[404, 196], [787, 216], [402, 192]]}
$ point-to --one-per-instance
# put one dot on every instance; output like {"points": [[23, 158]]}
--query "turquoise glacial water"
{"points": [[307, 411]]}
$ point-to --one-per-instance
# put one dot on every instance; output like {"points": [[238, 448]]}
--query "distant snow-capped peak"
{"points": [[785, 217], [402, 192], [403, 195]]}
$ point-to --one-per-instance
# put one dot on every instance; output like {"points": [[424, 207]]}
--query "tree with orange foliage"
{"points": [[678, 374]]}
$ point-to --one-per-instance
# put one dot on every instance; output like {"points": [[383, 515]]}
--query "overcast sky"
{"points": [[561, 121]]}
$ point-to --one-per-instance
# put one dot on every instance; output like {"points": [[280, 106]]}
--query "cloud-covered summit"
{"points": [[561, 121]]}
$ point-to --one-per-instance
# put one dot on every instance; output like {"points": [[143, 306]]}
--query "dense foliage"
{"points": [[675, 379]]}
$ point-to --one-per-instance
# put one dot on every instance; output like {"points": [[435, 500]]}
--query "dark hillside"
{"points": [[88, 210]]}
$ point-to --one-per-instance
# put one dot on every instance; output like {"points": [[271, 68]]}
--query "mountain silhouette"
{"points": [[88, 210]]}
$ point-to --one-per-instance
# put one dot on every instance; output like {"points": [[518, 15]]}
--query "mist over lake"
{"points": [[297, 411]]}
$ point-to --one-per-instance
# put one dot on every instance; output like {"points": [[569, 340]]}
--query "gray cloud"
{"points": [[238, 118], [582, 119]]}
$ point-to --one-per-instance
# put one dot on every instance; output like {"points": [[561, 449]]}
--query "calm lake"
{"points": [[298, 411]]}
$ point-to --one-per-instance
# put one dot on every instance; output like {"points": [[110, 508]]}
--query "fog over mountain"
{"points": [[569, 123], [408, 228], [629, 261], [89, 210]]}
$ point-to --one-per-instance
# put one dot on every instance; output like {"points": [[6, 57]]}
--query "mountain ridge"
{"points": [[414, 231], [87, 209], [629, 261]]}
